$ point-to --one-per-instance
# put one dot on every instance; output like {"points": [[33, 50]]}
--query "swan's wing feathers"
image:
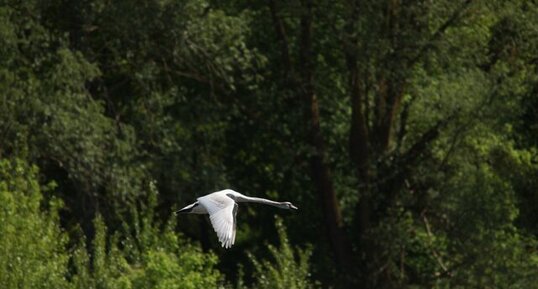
{"points": [[235, 222], [222, 222], [222, 210]]}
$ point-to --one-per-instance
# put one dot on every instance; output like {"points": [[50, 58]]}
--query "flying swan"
{"points": [[222, 209]]}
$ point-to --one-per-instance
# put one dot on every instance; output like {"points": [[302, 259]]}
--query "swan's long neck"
{"points": [[247, 199]]}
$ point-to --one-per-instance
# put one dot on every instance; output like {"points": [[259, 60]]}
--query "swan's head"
{"points": [[289, 206]]}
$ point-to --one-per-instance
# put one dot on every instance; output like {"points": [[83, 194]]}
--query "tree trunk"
{"points": [[358, 145], [321, 174]]}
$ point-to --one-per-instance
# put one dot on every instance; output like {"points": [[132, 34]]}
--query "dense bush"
{"points": [[34, 250], [32, 245], [144, 254], [287, 267]]}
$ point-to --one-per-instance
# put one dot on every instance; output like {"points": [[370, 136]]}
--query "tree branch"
{"points": [[435, 254], [430, 135], [358, 135], [403, 165], [280, 30], [404, 115], [439, 32]]}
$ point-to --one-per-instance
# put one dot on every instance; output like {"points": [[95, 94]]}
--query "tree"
{"points": [[413, 78]]}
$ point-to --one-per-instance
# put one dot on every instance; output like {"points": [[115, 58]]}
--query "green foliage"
{"points": [[288, 268], [32, 245], [144, 256], [107, 96], [47, 114], [487, 218], [35, 252], [133, 263]]}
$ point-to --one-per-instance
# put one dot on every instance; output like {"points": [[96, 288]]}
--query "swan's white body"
{"points": [[222, 209]]}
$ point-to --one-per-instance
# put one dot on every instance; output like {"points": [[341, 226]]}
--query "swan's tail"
{"points": [[187, 209]]}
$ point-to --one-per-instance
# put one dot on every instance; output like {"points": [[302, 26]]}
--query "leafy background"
{"points": [[405, 131]]}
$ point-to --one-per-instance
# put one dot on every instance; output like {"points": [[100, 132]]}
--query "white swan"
{"points": [[222, 209]]}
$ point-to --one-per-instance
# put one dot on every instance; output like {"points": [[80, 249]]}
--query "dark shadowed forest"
{"points": [[406, 131]]}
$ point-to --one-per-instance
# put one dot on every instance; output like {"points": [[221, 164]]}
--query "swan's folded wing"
{"points": [[222, 210]]}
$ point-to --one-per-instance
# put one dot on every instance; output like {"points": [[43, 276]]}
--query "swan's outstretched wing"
{"points": [[222, 210]]}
